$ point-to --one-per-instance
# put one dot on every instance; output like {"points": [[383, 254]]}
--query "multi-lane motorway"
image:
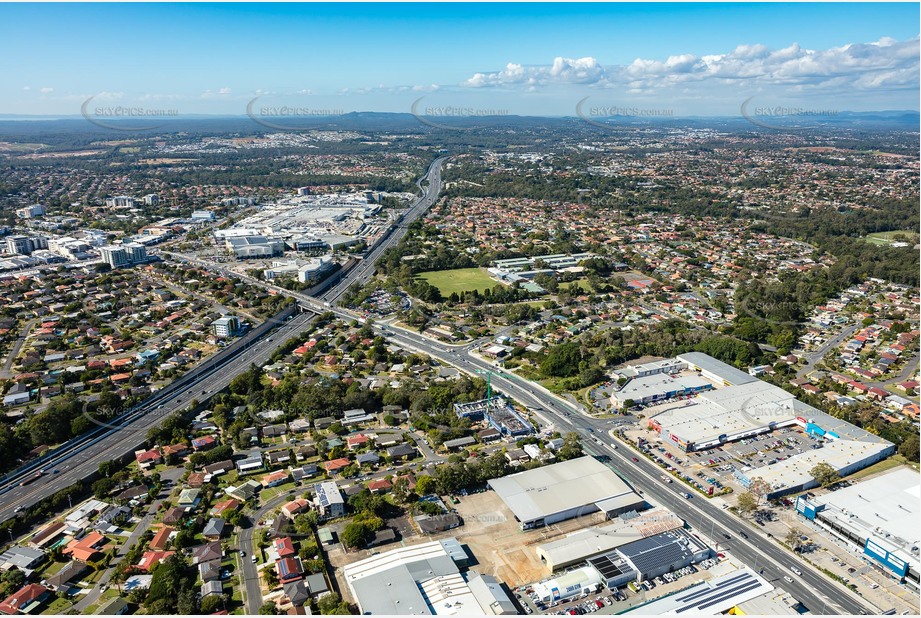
{"points": [[80, 459]]}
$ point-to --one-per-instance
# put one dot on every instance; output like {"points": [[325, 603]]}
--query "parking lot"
{"points": [[609, 602], [715, 468]]}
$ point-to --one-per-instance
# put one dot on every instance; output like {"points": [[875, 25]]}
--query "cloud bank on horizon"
{"points": [[882, 66], [878, 75]]}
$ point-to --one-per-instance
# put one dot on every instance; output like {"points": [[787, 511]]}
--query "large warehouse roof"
{"points": [[559, 487], [885, 509], [424, 579], [729, 411], [709, 598], [794, 472], [708, 364], [592, 541], [658, 385]]}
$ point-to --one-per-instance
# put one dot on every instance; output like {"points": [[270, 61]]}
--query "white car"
{"points": [[788, 579], [795, 570]]}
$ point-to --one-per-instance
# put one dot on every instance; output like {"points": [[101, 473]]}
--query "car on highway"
{"points": [[242, 554], [788, 579], [686, 495], [17, 509], [254, 559], [634, 459], [795, 570], [744, 536]]}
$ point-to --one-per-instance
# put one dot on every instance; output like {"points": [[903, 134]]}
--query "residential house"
{"points": [[298, 505], [284, 547], [211, 587], [116, 606], [148, 459], [25, 600], [88, 548], [210, 570], [150, 558], [207, 552], [62, 581], [275, 478], [336, 465], [289, 569], [225, 507], [161, 538], [214, 529]]}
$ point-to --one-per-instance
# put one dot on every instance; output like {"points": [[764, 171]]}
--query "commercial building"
{"points": [[793, 475], [497, 412], [709, 598], [585, 580], [226, 326], [30, 212], [715, 370], [879, 517], [564, 490], [725, 415], [588, 542], [425, 579], [247, 247], [661, 553], [25, 245], [654, 387]]}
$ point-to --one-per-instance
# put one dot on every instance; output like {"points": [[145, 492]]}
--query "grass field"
{"points": [[884, 238], [459, 280]]}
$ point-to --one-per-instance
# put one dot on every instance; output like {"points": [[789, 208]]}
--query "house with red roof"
{"points": [[203, 443], [357, 441], [295, 506], [288, 569], [148, 459], [336, 465], [275, 478], [227, 506], [284, 547], [150, 558], [161, 538], [86, 549], [25, 600], [380, 486]]}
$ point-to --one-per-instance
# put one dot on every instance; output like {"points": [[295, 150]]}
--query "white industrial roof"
{"points": [[794, 472], [544, 491], [729, 411], [709, 598], [886, 509], [589, 542], [640, 388], [709, 364]]}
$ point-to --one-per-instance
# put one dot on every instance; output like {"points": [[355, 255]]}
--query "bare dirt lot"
{"points": [[491, 535]]}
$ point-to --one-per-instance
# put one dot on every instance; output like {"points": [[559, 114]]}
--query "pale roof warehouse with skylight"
{"points": [[565, 490]]}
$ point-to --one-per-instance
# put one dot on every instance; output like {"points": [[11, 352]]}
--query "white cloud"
{"points": [[46, 90], [886, 63], [562, 70]]}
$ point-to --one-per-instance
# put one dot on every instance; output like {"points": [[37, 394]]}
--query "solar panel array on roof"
{"points": [[650, 554], [703, 599], [611, 566]]}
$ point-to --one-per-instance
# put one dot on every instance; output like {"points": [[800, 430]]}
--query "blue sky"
{"points": [[532, 59]]}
